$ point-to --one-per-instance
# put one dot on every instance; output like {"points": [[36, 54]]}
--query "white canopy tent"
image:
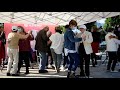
{"points": [[57, 18]]}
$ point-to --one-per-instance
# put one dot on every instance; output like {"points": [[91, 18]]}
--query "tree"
{"points": [[107, 24], [111, 22]]}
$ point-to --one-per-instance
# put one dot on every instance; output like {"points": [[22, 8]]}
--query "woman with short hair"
{"points": [[24, 50], [57, 41]]}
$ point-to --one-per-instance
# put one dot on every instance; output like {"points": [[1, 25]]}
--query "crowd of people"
{"points": [[73, 49]]}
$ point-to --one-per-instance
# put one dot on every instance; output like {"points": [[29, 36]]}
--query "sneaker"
{"points": [[43, 71], [113, 71], [8, 74], [48, 67], [62, 68]]}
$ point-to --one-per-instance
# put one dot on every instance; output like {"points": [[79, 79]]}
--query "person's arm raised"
{"points": [[24, 36]]}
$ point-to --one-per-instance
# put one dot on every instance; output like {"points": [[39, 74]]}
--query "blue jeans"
{"points": [[43, 60], [66, 61], [74, 61], [57, 58]]}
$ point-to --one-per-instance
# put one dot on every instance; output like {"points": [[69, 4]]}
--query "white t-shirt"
{"points": [[57, 42], [111, 44]]}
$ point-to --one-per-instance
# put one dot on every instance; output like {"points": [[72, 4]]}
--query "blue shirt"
{"points": [[70, 40]]}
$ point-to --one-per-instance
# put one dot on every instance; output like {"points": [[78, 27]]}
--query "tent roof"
{"points": [[57, 18]]}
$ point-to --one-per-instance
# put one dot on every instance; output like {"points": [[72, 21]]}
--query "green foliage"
{"points": [[105, 26], [107, 23], [111, 21]]}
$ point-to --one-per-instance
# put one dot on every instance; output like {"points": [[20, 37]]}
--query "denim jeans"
{"points": [[66, 60], [43, 60], [57, 58], [74, 61]]}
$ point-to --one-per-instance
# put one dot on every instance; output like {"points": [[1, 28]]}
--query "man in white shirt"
{"points": [[111, 48], [57, 41], [85, 49]]}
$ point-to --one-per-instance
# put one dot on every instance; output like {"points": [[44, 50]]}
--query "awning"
{"points": [[57, 18]]}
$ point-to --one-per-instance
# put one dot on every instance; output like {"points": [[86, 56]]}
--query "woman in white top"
{"points": [[111, 48], [57, 41]]}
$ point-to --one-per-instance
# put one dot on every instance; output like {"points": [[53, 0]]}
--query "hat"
{"points": [[14, 28], [82, 26]]}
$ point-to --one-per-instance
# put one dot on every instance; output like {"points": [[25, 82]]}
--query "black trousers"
{"points": [[94, 59], [24, 55], [118, 55], [112, 60], [84, 60]]}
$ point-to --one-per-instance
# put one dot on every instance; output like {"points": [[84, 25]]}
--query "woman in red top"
{"points": [[2, 44], [95, 45], [24, 50]]}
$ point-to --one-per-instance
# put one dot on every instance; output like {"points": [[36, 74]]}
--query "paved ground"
{"points": [[96, 72]]}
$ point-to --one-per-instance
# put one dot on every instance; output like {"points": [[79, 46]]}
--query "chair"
{"points": [[105, 60], [102, 51]]}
